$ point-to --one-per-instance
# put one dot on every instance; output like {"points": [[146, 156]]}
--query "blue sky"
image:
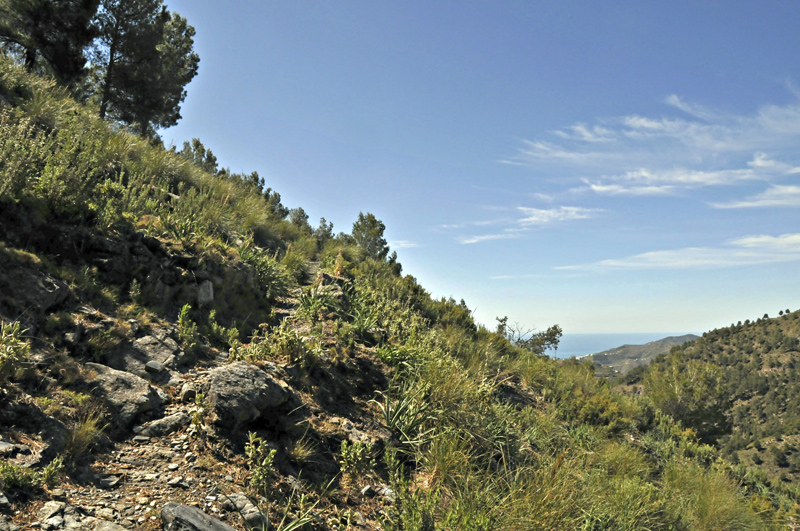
{"points": [[610, 167]]}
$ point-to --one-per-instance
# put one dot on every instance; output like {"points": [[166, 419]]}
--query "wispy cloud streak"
{"points": [[774, 196], [528, 219], [698, 147], [750, 250], [403, 244]]}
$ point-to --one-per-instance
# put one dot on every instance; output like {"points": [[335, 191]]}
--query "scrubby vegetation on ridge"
{"points": [[738, 387], [466, 428]]}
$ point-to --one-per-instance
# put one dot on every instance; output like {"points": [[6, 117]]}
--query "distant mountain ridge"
{"points": [[627, 357]]}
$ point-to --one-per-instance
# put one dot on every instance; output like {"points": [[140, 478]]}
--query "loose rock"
{"points": [[165, 426], [184, 518]]}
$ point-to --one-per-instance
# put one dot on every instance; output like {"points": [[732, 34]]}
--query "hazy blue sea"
{"points": [[583, 344]]}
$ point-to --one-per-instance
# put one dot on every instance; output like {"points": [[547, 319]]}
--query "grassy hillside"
{"points": [[621, 360], [748, 377], [380, 407]]}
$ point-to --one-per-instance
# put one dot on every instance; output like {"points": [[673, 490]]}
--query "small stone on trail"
{"points": [[108, 482], [188, 393], [153, 366]]}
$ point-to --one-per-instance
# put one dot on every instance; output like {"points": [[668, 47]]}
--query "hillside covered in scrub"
{"points": [[737, 387], [180, 350]]}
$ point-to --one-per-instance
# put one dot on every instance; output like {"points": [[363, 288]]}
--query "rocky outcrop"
{"points": [[127, 396], [185, 518], [167, 277], [49, 435], [57, 515], [151, 357], [240, 393], [28, 292]]}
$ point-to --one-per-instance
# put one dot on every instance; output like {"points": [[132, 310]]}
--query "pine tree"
{"points": [[49, 35], [144, 60], [368, 234]]}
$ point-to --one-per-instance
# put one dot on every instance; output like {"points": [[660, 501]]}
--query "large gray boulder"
{"points": [[127, 396], [185, 518], [241, 393]]}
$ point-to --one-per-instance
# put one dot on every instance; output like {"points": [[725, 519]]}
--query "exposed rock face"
{"points": [[50, 431], [36, 289], [59, 515], [166, 277], [241, 393], [185, 518], [148, 357], [126, 395], [26, 291]]}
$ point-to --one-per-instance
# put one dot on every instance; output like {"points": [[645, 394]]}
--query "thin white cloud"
{"points": [[621, 189], [692, 109], [640, 126], [539, 216], [539, 150], [403, 244], [489, 237], [751, 250], [784, 242], [641, 155], [480, 223], [532, 218], [648, 182], [774, 196], [761, 161], [587, 134]]}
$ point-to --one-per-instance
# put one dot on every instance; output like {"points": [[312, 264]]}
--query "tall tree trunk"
{"points": [[106, 88], [30, 57], [109, 77]]}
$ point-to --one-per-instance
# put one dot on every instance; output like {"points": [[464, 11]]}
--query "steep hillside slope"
{"points": [[180, 351], [621, 360], [750, 375]]}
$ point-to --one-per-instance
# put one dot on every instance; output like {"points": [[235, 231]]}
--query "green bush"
{"points": [[28, 480], [275, 280], [13, 349], [295, 263], [280, 342], [356, 459], [188, 335], [260, 458]]}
